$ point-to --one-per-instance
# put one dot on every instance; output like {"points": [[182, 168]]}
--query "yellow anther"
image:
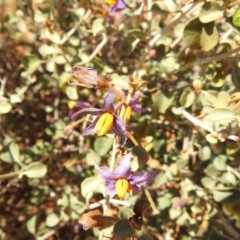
{"points": [[71, 104], [111, 2], [128, 113], [122, 186], [104, 124]]}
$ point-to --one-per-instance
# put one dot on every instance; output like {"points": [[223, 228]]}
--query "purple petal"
{"points": [[137, 109], [120, 5], [143, 178], [106, 174], [119, 129], [108, 103], [78, 106], [92, 111], [135, 188], [124, 168], [90, 129], [135, 98], [110, 187], [82, 105]]}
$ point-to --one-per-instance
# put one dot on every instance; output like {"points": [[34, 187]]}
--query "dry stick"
{"points": [[202, 125], [149, 16], [73, 30], [209, 59], [106, 39], [152, 42], [47, 235], [228, 226]]}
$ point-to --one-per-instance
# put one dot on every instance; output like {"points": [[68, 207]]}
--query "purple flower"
{"points": [[106, 119], [133, 106], [122, 180], [76, 106], [116, 5]]}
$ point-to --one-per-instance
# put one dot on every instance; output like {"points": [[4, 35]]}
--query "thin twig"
{"points": [[73, 30], [218, 57], [228, 226], [204, 126], [107, 38], [47, 235], [157, 36]]}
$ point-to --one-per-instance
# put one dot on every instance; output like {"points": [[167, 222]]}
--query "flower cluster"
{"points": [[121, 180]]}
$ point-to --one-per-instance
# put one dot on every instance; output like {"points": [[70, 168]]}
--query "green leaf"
{"points": [[92, 157], [162, 101], [139, 34], [145, 237], [31, 64], [72, 92], [205, 153], [221, 114], [14, 150], [215, 235], [15, 98], [226, 195], [174, 212], [102, 145], [208, 183], [123, 229], [5, 107], [142, 158], [129, 44], [90, 185], [35, 170], [220, 162], [222, 100], [45, 50], [140, 206], [210, 11], [52, 220], [187, 98], [5, 155], [198, 35], [236, 18], [164, 202], [212, 138], [209, 97], [98, 26], [31, 224]]}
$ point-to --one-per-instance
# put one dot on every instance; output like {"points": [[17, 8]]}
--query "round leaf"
{"points": [[98, 26], [212, 138], [210, 11], [72, 92], [92, 157], [102, 145], [31, 224], [162, 101], [145, 237], [142, 157], [187, 98], [236, 18], [198, 35], [129, 44], [52, 220], [219, 162], [205, 153], [140, 206], [35, 170], [123, 229], [91, 184], [226, 195], [5, 107]]}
